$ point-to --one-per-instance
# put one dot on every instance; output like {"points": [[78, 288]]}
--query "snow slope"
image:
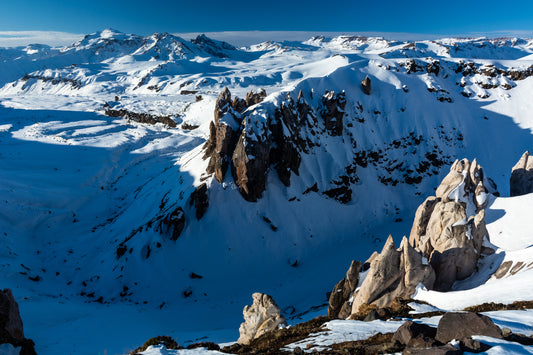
{"points": [[76, 186]]}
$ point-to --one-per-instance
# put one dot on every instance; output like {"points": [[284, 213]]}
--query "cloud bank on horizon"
{"points": [[241, 38]]}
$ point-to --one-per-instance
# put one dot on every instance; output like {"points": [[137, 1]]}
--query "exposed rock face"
{"points": [[455, 325], [449, 229], [10, 317], [393, 273], [339, 300], [366, 85], [11, 328], [522, 176], [262, 316], [223, 135]]}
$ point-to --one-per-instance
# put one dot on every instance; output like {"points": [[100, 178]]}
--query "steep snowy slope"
{"points": [[87, 199]]}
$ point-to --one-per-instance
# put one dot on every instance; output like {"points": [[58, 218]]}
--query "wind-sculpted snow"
{"points": [[96, 211]]}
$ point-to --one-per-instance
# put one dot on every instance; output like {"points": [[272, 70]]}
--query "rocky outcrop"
{"points": [[393, 273], [11, 328], [267, 136], [416, 335], [522, 176], [449, 228], [339, 300], [366, 85], [262, 316], [223, 134]]}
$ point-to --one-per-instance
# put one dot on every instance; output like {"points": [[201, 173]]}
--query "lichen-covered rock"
{"points": [[522, 176], [339, 300], [262, 316], [393, 273]]}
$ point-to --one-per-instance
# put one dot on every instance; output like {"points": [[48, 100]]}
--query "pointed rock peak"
{"points": [[522, 163], [405, 243], [389, 244], [225, 95]]}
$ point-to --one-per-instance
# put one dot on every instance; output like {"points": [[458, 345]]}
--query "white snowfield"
{"points": [[82, 194]]}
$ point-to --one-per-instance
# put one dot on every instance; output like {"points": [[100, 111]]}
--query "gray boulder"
{"points": [[458, 325]]}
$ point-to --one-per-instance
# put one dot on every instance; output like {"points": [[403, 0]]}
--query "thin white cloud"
{"points": [[51, 38]]}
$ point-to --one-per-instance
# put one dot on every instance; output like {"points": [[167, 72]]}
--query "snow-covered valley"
{"points": [[87, 196]]}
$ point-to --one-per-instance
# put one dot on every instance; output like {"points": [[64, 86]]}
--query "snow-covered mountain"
{"points": [[100, 213]]}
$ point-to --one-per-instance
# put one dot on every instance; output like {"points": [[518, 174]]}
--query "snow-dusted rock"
{"points": [[447, 228], [522, 176], [262, 316]]}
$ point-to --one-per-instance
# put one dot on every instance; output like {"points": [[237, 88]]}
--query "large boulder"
{"points": [[339, 300], [458, 325], [522, 176], [262, 316], [394, 273]]}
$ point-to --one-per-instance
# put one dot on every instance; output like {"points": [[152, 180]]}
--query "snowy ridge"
{"points": [[85, 196]]}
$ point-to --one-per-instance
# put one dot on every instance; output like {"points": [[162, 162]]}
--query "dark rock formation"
{"points": [[333, 112], [339, 300], [522, 176], [366, 85], [200, 200], [416, 335], [176, 222], [11, 328], [224, 132], [454, 325], [141, 117]]}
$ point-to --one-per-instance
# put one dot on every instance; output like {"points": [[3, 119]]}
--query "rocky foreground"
{"points": [[448, 242]]}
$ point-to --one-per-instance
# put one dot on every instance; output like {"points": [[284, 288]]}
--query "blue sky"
{"points": [[148, 16]]}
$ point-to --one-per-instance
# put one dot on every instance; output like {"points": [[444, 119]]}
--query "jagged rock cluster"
{"points": [[11, 328], [251, 140], [522, 176], [445, 244], [262, 316]]}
